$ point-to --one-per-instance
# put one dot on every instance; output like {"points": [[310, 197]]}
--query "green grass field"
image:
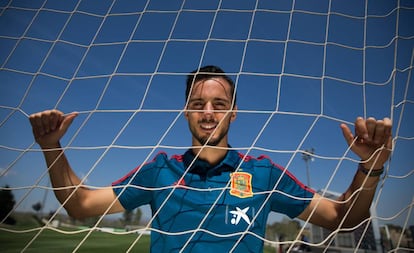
{"points": [[51, 241], [54, 241]]}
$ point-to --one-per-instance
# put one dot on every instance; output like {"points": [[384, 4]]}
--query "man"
{"points": [[212, 198]]}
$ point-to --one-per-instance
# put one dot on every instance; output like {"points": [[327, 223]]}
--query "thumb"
{"points": [[347, 133], [67, 121]]}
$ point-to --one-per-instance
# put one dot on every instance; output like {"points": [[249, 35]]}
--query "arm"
{"points": [[372, 143], [48, 128]]}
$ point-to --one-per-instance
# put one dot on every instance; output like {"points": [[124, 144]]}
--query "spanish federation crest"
{"points": [[241, 184]]}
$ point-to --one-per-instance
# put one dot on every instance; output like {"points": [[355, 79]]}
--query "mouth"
{"points": [[208, 126]]}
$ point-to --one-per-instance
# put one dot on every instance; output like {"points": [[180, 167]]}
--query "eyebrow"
{"points": [[214, 99]]}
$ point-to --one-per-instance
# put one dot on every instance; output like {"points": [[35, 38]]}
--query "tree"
{"points": [[137, 218], [91, 221], [289, 229], [128, 214], [131, 218], [6, 205], [37, 207]]}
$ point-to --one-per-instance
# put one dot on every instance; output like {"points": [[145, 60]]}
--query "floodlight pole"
{"points": [[307, 157]]}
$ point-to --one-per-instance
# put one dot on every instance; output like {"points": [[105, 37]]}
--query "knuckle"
{"points": [[34, 115], [371, 120]]}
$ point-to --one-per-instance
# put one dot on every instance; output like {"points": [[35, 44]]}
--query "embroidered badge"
{"points": [[241, 184]]}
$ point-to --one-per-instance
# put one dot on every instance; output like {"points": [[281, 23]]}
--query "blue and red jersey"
{"points": [[202, 208]]}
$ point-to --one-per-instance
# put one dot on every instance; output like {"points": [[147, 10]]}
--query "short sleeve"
{"points": [[291, 197], [134, 189]]}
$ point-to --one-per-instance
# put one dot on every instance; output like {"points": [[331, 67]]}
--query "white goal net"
{"points": [[301, 69]]}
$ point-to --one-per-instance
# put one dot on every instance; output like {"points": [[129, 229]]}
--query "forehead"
{"points": [[212, 86]]}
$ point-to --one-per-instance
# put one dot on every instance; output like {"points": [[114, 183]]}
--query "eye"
{"points": [[221, 105], [196, 105]]}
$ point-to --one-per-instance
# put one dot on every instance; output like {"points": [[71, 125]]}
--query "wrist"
{"points": [[48, 146], [370, 171], [372, 163]]}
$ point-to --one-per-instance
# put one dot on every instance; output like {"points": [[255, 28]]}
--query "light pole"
{"points": [[307, 157]]}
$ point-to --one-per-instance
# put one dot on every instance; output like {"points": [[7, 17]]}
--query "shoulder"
{"points": [[262, 167], [163, 162], [163, 159], [260, 161], [159, 160], [265, 166], [150, 169]]}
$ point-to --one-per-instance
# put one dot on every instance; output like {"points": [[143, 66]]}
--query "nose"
{"points": [[208, 109]]}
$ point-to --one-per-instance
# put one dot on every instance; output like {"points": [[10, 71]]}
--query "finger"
{"points": [[382, 132], [347, 133], [388, 126], [55, 119], [379, 132], [37, 126], [45, 120], [361, 130], [371, 126], [388, 132]]}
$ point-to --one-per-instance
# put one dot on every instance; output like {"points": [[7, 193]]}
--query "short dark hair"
{"points": [[208, 72]]}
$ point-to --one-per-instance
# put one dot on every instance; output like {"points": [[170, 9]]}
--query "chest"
{"points": [[229, 202]]}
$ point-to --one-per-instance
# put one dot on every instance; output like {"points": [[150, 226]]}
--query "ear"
{"points": [[186, 113], [233, 114]]}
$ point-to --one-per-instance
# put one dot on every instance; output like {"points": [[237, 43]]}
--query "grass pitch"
{"points": [[53, 241]]}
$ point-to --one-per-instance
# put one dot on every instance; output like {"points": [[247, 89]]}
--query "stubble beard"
{"points": [[210, 140]]}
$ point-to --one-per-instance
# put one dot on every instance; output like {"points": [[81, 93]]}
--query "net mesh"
{"points": [[300, 67]]}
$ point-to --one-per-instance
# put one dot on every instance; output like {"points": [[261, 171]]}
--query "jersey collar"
{"points": [[202, 168]]}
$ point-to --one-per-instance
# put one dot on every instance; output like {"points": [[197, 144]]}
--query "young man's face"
{"points": [[209, 112]]}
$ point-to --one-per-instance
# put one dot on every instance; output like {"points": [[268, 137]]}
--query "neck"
{"points": [[212, 155]]}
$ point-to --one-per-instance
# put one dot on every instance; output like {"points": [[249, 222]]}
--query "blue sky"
{"points": [[300, 70]]}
